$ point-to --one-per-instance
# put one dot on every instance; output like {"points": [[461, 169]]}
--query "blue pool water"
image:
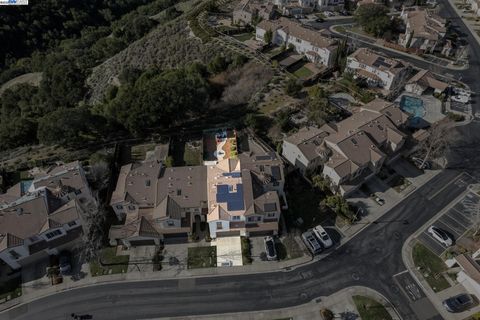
{"points": [[412, 105]]}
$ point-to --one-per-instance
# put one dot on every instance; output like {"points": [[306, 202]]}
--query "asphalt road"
{"points": [[372, 258]]}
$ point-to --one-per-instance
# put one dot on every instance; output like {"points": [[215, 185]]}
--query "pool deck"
{"points": [[433, 109]]}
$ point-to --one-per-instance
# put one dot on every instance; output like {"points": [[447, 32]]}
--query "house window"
{"points": [[52, 234], [15, 255], [236, 218], [72, 223], [271, 214], [219, 226], [259, 218], [251, 219], [170, 223], [131, 208], [77, 192]]}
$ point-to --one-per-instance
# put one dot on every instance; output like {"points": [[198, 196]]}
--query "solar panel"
{"points": [[234, 200], [232, 174], [263, 157]]}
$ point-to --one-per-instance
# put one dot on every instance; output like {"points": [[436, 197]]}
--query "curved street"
{"points": [[370, 259]]}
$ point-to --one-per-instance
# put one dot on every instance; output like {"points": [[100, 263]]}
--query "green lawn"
{"points": [[192, 155], [11, 289], [202, 257], [370, 309], [112, 263], [243, 36], [303, 73], [431, 267]]}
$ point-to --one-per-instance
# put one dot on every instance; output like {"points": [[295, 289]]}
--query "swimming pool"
{"points": [[412, 105]]}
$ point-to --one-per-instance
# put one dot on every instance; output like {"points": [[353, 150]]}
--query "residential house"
{"points": [[305, 149], [234, 196], [424, 29], [317, 47], [249, 11], [330, 4], [425, 80], [378, 70], [469, 274], [361, 144], [44, 216]]}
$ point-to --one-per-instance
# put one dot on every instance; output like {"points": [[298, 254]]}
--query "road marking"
{"points": [[446, 186], [401, 272], [448, 217]]}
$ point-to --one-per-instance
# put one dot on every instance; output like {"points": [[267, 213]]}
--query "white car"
{"points": [[379, 200], [322, 236], [462, 99], [441, 236]]}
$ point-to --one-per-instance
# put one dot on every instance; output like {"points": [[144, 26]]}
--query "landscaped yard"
{"points": [[246, 252], [243, 36], [399, 183], [193, 153], [140, 151], [303, 204], [288, 248], [202, 257], [370, 309], [111, 263], [431, 267], [11, 289], [303, 73]]}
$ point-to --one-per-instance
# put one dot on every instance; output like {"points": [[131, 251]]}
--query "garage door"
{"points": [[260, 233], [138, 243], [176, 238]]}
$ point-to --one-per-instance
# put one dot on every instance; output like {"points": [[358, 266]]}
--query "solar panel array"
{"points": [[234, 200], [232, 174]]}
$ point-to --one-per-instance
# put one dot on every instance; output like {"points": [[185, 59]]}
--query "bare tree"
{"points": [[437, 143], [94, 226]]}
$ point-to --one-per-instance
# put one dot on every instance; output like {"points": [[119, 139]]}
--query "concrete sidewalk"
{"points": [[340, 303]]}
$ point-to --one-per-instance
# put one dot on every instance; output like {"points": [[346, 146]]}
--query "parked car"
{"points": [[459, 303], [65, 262], [441, 236], [322, 236], [311, 242], [270, 248], [461, 98], [379, 200]]}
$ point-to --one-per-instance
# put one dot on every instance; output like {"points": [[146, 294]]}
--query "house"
{"points": [[317, 47], [469, 274], [234, 196], [360, 144], [424, 80], [249, 11], [44, 216], [330, 4], [424, 29], [377, 69], [305, 149]]}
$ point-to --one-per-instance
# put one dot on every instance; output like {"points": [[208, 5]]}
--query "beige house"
{"points": [[44, 216], [317, 47], [234, 196], [424, 80], [361, 144], [424, 29], [248, 11], [378, 70]]}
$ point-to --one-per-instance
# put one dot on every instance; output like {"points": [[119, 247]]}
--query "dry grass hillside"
{"points": [[167, 46]]}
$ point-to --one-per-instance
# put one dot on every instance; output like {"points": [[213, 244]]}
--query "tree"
{"points": [[293, 87], [338, 205], [251, 121], [95, 231], [437, 142], [217, 64], [374, 18], [319, 108], [321, 182], [268, 36]]}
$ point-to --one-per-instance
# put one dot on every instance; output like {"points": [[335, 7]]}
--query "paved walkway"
{"points": [[340, 303]]}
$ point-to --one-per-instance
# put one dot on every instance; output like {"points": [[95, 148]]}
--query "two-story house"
{"points": [[378, 70], [44, 216], [317, 47]]}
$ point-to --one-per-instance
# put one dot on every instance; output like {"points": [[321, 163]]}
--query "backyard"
{"points": [[431, 267], [202, 257], [109, 262], [303, 73], [243, 36], [370, 309]]}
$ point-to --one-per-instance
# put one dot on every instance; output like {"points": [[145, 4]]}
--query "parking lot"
{"points": [[456, 221]]}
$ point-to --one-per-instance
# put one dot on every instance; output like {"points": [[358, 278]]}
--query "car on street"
{"points": [[322, 236], [440, 235], [270, 248], [459, 303], [65, 262], [311, 242]]}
